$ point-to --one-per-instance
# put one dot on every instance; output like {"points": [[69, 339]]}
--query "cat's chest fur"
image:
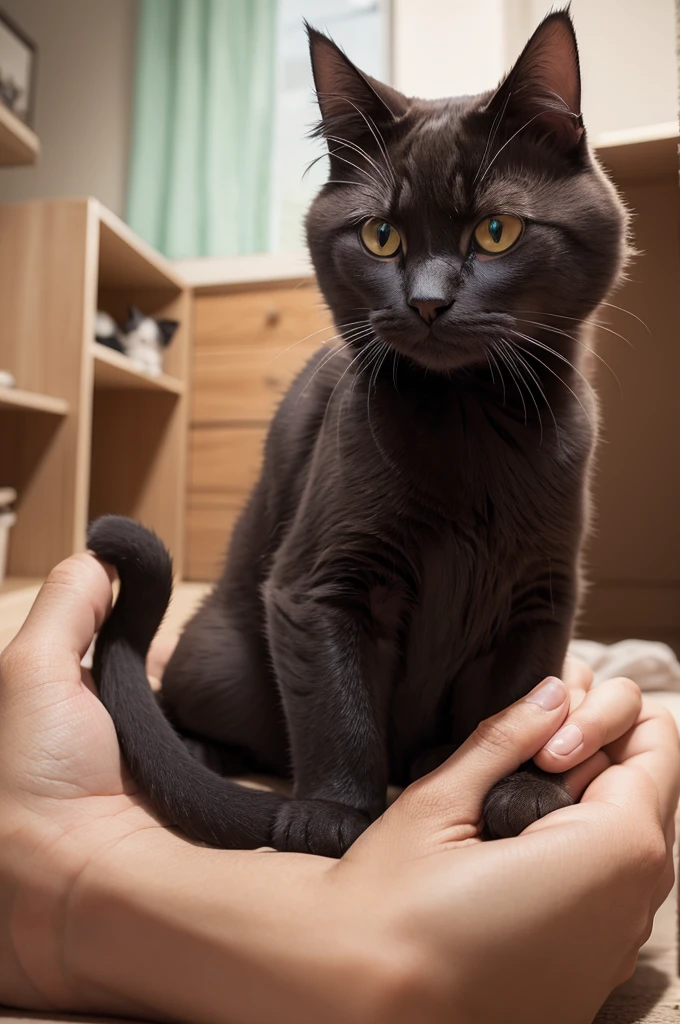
{"points": [[483, 499]]}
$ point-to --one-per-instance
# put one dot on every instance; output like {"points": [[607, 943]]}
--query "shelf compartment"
{"points": [[127, 262], [18, 143], [114, 371], [15, 398]]}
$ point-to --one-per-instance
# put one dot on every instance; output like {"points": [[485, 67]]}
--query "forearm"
{"points": [[162, 928]]}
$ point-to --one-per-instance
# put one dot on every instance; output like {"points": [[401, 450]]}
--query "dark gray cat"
{"points": [[408, 562]]}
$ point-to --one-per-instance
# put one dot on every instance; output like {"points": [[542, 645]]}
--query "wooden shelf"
{"points": [[113, 371], [17, 594], [636, 154], [127, 262], [18, 144], [14, 398]]}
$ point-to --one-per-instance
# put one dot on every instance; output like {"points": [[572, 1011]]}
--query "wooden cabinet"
{"points": [[84, 432], [249, 344]]}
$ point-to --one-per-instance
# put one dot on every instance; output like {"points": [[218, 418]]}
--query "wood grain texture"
{"points": [[249, 343], [48, 274], [59, 260], [225, 460], [19, 144], [633, 558], [14, 398], [209, 528], [139, 438], [114, 370]]}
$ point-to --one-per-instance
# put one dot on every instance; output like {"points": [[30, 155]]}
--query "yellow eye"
{"points": [[498, 233], [380, 238]]}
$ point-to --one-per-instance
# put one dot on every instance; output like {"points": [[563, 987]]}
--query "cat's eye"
{"points": [[380, 238], [497, 234]]}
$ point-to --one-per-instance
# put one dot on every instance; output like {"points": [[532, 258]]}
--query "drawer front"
{"points": [[244, 386], [224, 460], [209, 528], [249, 346]]}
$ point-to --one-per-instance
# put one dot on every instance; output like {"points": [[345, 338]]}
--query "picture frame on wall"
{"points": [[18, 62]]}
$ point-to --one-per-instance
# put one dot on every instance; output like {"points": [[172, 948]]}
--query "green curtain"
{"points": [[200, 166]]}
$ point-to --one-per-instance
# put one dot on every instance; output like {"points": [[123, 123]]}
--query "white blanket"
{"points": [[653, 666]]}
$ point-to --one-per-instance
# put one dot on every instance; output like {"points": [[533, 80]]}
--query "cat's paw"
{"points": [[317, 826], [520, 799]]}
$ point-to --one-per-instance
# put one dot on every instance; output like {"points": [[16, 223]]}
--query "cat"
{"points": [[408, 563], [143, 339]]}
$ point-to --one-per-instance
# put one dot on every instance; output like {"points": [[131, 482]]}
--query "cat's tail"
{"points": [[186, 793]]}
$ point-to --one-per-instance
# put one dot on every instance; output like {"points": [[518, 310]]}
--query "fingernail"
{"points": [[565, 741], [549, 695]]}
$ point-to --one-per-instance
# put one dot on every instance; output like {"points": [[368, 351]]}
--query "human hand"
{"points": [[418, 881], [64, 794], [545, 925]]}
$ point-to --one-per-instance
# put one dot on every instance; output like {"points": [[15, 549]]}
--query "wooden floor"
{"points": [[17, 603]]}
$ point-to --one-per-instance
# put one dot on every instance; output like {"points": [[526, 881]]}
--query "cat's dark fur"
{"points": [[408, 561]]}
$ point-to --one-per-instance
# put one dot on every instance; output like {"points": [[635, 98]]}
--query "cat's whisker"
{"points": [[559, 356], [363, 154], [369, 350], [373, 128], [588, 320], [377, 366], [522, 367], [493, 131], [395, 360], [493, 379], [512, 369], [634, 315], [325, 341], [373, 183], [502, 378], [312, 163], [331, 355], [532, 355], [360, 151], [507, 143], [362, 352], [537, 381], [577, 341]]}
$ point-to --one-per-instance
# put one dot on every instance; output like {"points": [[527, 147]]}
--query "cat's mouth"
{"points": [[445, 345]]}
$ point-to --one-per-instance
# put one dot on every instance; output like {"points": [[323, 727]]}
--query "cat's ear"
{"points": [[349, 100], [135, 317], [544, 87], [167, 329]]}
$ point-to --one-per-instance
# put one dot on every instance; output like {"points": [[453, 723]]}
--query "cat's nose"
{"points": [[430, 309]]}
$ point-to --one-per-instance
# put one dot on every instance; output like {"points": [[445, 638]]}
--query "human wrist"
{"points": [[190, 932]]}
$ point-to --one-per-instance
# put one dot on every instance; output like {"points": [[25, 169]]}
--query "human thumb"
{"points": [[497, 747]]}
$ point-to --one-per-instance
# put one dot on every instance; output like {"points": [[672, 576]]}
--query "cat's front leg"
{"points": [[334, 669], [534, 647]]}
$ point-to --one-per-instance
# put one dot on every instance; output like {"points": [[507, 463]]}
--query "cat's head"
{"points": [[449, 227]]}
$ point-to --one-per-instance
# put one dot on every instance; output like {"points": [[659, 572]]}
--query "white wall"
{"points": [[447, 47], [628, 58], [85, 81]]}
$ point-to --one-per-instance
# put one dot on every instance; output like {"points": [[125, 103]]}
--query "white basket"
{"points": [[7, 521]]}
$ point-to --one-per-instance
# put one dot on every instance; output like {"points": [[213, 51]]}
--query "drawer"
{"points": [[224, 460], [269, 317], [208, 530], [248, 348], [244, 385]]}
